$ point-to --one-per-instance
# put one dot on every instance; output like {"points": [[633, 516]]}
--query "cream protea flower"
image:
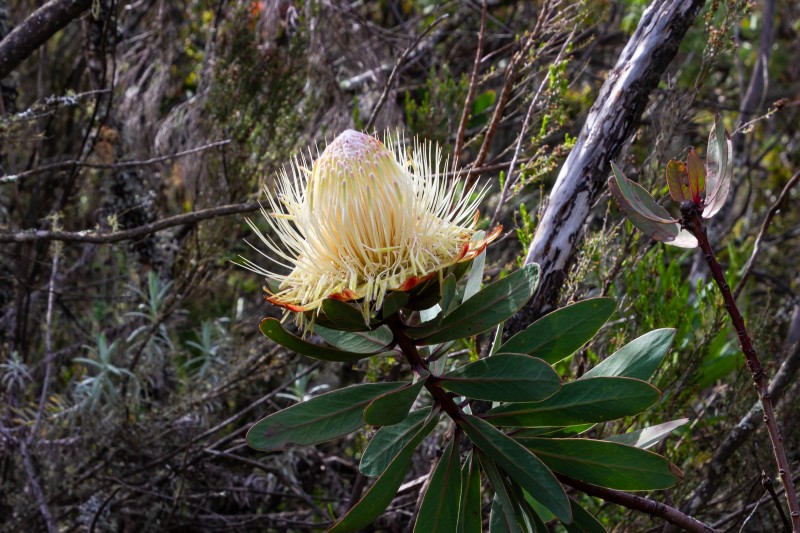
{"points": [[366, 220]]}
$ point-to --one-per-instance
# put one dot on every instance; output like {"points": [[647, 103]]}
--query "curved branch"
{"points": [[35, 30], [128, 234], [638, 503]]}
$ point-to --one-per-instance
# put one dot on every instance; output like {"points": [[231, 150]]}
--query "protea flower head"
{"points": [[696, 186], [367, 219]]}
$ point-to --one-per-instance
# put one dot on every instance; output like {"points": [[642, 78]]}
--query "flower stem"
{"points": [[417, 362], [693, 223]]}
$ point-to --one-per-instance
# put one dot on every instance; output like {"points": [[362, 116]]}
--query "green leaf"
{"points": [[580, 402], [583, 521], [325, 417], [502, 520], [519, 463], [393, 302], [483, 102], [503, 378], [641, 201], [494, 304], [392, 408], [644, 212], [470, 519], [440, 506], [388, 441], [648, 437], [505, 516], [559, 334], [336, 314], [554, 432], [273, 329], [358, 342], [603, 463], [448, 300], [638, 359], [475, 279], [498, 338], [381, 493]]}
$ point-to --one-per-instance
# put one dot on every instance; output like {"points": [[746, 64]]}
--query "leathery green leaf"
{"points": [[273, 329], [638, 359], [503, 377], [381, 493], [363, 342], [393, 302], [506, 515], [392, 407], [519, 463], [325, 417], [336, 314], [559, 334], [579, 402], [644, 212], [440, 505], [470, 520], [494, 304], [603, 463], [475, 278], [583, 521], [388, 441], [641, 201], [648, 437]]}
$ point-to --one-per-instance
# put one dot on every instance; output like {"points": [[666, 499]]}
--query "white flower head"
{"points": [[366, 220]]}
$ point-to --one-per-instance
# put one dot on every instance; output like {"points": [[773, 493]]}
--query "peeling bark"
{"points": [[610, 122]]}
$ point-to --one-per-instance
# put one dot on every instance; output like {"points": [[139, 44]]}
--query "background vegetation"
{"points": [[131, 364]]}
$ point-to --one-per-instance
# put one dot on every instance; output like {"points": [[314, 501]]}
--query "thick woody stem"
{"points": [[417, 362], [641, 504], [693, 223]]}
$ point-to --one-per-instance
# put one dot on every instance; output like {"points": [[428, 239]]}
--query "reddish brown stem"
{"points": [[417, 362], [639, 503], [693, 223]]}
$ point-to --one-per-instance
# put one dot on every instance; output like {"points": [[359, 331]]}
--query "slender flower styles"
{"points": [[367, 219]]}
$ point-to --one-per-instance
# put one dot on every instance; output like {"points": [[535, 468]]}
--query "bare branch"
{"points": [[473, 86], [35, 30], [396, 70], [12, 178], [638, 503], [773, 210], [128, 234]]}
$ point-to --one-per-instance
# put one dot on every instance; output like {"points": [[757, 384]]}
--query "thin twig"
{"points": [[128, 234], [48, 345], [396, 70], [638, 503], [773, 210], [511, 75], [510, 181], [693, 223], [473, 86], [766, 482], [36, 488], [13, 178]]}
